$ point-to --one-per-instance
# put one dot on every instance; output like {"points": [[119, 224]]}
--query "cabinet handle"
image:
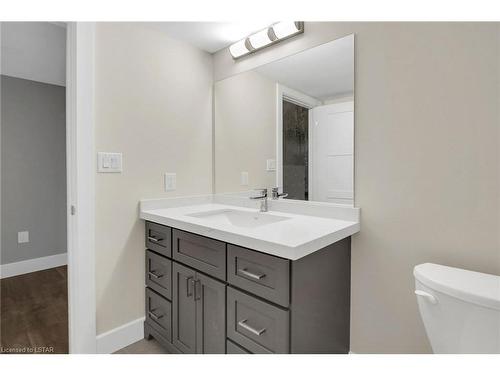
{"points": [[189, 283], [154, 275], [197, 290], [252, 275], [243, 324], [154, 316], [154, 239]]}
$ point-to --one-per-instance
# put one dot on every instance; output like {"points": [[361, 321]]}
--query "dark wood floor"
{"points": [[34, 312]]}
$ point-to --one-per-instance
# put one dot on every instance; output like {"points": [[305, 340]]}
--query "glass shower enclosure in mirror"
{"points": [[289, 124]]}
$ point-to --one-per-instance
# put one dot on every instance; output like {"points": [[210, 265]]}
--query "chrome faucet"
{"points": [[263, 199], [275, 194]]}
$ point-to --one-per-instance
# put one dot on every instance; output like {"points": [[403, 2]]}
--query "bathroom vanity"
{"points": [[228, 279], [222, 277]]}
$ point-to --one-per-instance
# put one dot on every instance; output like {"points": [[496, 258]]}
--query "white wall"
{"points": [[245, 132], [34, 51], [153, 104], [427, 162]]}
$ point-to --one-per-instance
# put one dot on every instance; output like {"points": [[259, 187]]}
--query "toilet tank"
{"points": [[460, 309]]}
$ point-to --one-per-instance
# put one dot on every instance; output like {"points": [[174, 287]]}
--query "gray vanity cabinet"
{"points": [[199, 313], [207, 296]]}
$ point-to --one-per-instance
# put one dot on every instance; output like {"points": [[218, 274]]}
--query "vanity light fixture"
{"points": [[239, 49], [260, 39], [286, 29], [266, 37]]}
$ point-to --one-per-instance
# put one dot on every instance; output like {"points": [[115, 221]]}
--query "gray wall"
{"points": [[33, 168]]}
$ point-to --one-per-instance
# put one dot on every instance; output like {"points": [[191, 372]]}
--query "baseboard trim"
{"points": [[32, 265], [120, 337]]}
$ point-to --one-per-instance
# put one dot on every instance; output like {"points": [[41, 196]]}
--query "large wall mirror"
{"points": [[290, 124]]}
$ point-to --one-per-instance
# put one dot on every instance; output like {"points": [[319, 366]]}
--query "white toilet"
{"points": [[460, 309]]}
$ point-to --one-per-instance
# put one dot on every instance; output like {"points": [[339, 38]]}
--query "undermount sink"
{"points": [[238, 218]]}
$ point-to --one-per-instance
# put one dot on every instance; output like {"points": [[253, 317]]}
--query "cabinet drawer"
{"points": [[159, 274], [204, 254], [159, 313], [232, 348], [159, 238], [256, 325], [264, 275]]}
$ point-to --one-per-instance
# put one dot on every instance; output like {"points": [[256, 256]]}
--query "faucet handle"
{"points": [[263, 193], [276, 194]]}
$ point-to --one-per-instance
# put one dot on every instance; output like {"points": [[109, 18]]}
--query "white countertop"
{"points": [[293, 238]]}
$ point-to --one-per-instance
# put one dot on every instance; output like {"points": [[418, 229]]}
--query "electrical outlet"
{"points": [[170, 181], [23, 237], [244, 178]]}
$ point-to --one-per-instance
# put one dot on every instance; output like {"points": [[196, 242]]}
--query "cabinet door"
{"points": [[184, 309], [210, 296]]}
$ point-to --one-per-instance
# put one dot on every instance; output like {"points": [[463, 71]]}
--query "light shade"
{"points": [[266, 37], [285, 29], [239, 49], [260, 39]]}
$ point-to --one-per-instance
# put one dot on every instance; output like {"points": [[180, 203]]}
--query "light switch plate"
{"points": [[271, 165], [170, 181], [23, 237], [109, 162], [244, 178]]}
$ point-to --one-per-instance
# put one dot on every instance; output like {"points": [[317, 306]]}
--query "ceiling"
{"points": [[322, 72], [209, 36], [35, 51]]}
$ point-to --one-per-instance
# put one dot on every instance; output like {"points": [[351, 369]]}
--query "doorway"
{"points": [[34, 287], [295, 150]]}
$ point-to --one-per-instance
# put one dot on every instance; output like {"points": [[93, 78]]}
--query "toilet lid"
{"points": [[475, 287]]}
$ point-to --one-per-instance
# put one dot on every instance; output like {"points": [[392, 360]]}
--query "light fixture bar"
{"points": [[266, 37], [260, 39], [286, 29], [239, 49]]}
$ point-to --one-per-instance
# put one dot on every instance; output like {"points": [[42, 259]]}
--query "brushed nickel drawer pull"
{"points": [[197, 291], [243, 324], [154, 316], [251, 275], [189, 283], [154, 275], [154, 239]]}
